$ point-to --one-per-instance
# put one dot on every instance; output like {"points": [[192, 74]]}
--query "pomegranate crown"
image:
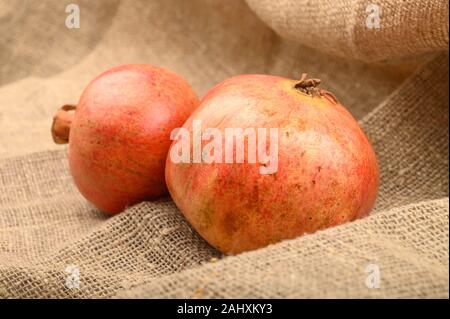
{"points": [[311, 87]]}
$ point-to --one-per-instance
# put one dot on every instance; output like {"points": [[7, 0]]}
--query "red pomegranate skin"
{"points": [[120, 134], [327, 170]]}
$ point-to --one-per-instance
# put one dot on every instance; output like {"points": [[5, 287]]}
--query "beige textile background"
{"points": [[400, 98]]}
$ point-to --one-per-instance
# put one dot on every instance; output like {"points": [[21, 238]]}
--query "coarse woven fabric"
{"points": [[369, 31], [55, 244]]}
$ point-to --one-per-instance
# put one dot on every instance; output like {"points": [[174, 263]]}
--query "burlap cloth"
{"points": [[401, 98]]}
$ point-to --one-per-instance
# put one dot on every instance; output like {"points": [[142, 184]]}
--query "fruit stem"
{"points": [[304, 82], [311, 87], [61, 123]]}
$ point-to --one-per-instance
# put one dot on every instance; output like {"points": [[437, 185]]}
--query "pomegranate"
{"points": [[119, 133], [326, 172]]}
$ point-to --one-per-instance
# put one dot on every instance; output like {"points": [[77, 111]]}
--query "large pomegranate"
{"points": [[120, 133], [326, 172]]}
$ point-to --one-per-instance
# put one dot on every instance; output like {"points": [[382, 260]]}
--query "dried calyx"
{"points": [[311, 87], [62, 122]]}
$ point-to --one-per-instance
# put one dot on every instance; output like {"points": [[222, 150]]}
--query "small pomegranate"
{"points": [[314, 166], [119, 133]]}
